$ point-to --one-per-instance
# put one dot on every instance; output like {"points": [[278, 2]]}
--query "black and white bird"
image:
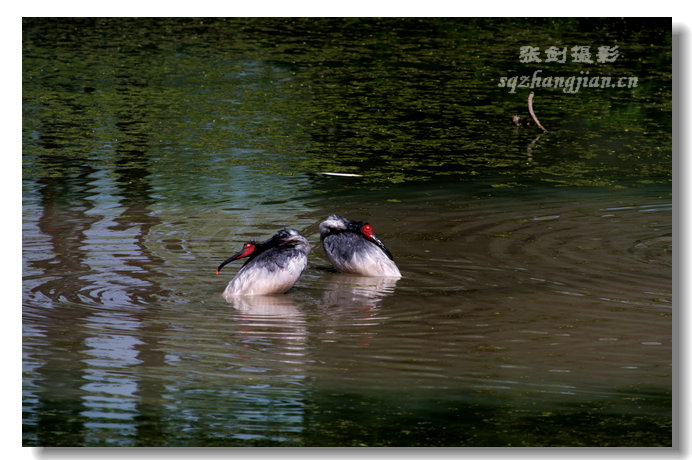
{"points": [[352, 247], [273, 266]]}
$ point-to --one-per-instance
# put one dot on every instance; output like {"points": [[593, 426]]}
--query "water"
{"points": [[535, 307]]}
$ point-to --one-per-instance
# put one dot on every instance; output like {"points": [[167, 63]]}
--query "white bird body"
{"points": [[273, 268], [352, 247]]}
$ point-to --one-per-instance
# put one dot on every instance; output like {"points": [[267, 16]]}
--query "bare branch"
{"points": [[533, 115]]}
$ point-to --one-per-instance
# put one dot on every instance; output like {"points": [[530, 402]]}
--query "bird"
{"points": [[273, 266], [352, 247]]}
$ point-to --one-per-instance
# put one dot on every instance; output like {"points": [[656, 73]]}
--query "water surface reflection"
{"points": [[352, 291], [537, 302]]}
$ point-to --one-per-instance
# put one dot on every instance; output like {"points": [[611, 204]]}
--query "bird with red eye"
{"points": [[272, 267], [352, 247]]}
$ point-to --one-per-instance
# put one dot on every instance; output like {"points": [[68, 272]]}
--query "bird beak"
{"points": [[370, 235], [248, 248], [376, 240]]}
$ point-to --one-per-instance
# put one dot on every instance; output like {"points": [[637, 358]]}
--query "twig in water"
{"points": [[339, 174], [533, 115], [529, 148]]}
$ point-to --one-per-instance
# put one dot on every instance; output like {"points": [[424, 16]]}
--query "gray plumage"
{"points": [[273, 266], [352, 247]]}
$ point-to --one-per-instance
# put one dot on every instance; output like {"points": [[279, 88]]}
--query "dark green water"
{"points": [[535, 307]]}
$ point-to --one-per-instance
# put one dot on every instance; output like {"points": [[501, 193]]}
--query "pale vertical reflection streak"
{"points": [[111, 355]]}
